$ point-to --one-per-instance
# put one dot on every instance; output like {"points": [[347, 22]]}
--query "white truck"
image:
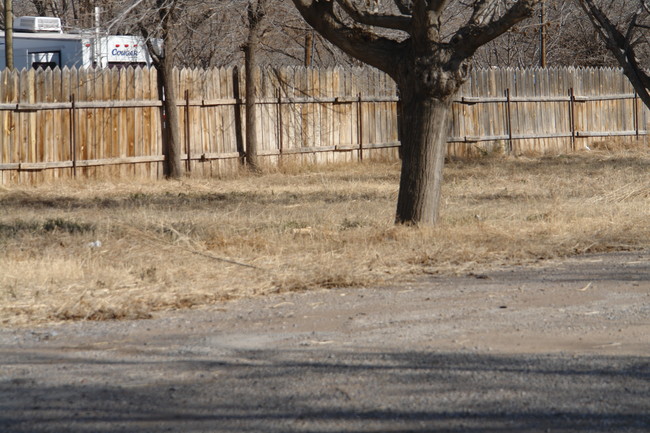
{"points": [[40, 42]]}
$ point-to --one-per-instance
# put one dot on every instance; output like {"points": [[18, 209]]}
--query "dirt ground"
{"points": [[557, 346]]}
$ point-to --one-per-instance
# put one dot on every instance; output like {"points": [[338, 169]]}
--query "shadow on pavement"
{"points": [[316, 390]]}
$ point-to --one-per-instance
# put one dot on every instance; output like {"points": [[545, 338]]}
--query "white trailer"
{"points": [[39, 42]]}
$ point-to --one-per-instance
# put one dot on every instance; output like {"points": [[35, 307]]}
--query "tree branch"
{"points": [[123, 14], [646, 6], [437, 6], [378, 51], [614, 39], [395, 22], [632, 27], [483, 28], [484, 11], [156, 56], [404, 6], [620, 46]]}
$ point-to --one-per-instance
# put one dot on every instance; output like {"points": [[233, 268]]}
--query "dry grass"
{"points": [[168, 245]]}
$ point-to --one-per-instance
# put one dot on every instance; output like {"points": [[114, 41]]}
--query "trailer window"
{"points": [[45, 59]]}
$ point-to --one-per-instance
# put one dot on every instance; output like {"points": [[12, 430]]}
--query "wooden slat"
{"points": [[6, 145], [60, 125], [315, 92], [92, 115], [137, 127]]}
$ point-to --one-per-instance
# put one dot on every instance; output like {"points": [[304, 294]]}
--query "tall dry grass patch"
{"points": [[95, 250]]}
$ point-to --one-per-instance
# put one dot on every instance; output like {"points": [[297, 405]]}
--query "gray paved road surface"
{"points": [[561, 347]]}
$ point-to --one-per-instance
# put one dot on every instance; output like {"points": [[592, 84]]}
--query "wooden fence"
{"points": [[61, 124], [545, 110]]}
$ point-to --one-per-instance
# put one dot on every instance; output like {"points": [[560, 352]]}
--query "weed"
{"points": [[66, 226], [13, 229], [348, 224], [19, 227]]}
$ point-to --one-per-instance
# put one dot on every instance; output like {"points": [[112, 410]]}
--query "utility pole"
{"points": [[9, 34], [542, 35]]}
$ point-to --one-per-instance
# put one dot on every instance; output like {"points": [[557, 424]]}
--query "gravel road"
{"points": [[558, 346]]}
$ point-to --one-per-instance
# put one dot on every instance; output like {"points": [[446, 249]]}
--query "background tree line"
{"points": [[213, 32]]}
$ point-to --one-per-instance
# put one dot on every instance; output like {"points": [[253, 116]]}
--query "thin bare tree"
{"points": [[163, 61], [625, 34], [568, 37], [256, 11], [9, 34], [429, 61], [156, 21]]}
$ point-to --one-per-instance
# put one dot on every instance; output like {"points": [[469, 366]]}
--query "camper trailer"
{"points": [[39, 42]]}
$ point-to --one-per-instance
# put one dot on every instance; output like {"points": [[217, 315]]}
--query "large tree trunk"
{"points": [[173, 168], [427, 84], [424, 143]]}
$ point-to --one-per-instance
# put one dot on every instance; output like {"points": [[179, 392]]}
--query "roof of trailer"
{"points": [[43, 35]]}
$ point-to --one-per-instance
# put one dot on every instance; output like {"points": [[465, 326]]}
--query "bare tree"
{"points": [[256, 11], [41, 7], [569, 39], [158, 20], [429, 61], [625, 35], [159, 25]]}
